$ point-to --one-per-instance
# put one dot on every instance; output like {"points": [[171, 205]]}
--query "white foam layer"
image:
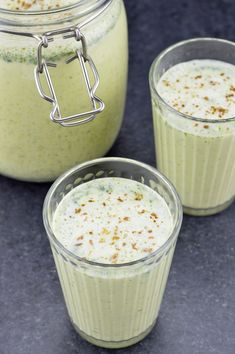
{"points": [[34, 5], [200, 88], [112, 220]]}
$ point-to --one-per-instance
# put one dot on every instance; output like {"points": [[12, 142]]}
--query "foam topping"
{"points": [[112, 220]]}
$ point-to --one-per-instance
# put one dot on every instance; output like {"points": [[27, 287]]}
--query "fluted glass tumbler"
{"points": [[113, 305], [200, 163]]}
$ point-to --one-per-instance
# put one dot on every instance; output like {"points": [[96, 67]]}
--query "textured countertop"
{"points": [[198, 311]]}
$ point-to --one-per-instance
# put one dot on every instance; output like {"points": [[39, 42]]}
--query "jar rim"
{"points": [[171, 189], [157, 61]]}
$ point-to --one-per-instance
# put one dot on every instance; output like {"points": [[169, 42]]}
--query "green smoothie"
{"points": [[113, 221], [197, 156]]}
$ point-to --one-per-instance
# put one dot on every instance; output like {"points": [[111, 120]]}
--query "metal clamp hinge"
{"points": [[85, 60]]}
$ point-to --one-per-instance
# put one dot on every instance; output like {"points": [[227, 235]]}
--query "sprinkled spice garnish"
{"points": [[115, 238], [23, 5], [114, 258], [29, 5], [119, 232], [138, 196], [78, 210], [104, 204], [91, 201], [213, 83], [120, 199], [206, 126], [148, 250], [166, 83], [133, 245], [154, 215], [229, 95], [105, 231], [220, 110], [201, 81]]}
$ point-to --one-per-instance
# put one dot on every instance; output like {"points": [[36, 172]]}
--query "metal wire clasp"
{"points": [[85, 60]]}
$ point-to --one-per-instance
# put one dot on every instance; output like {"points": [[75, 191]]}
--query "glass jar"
{"points": [[32, 147], [197, 155], [113, 305]]}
